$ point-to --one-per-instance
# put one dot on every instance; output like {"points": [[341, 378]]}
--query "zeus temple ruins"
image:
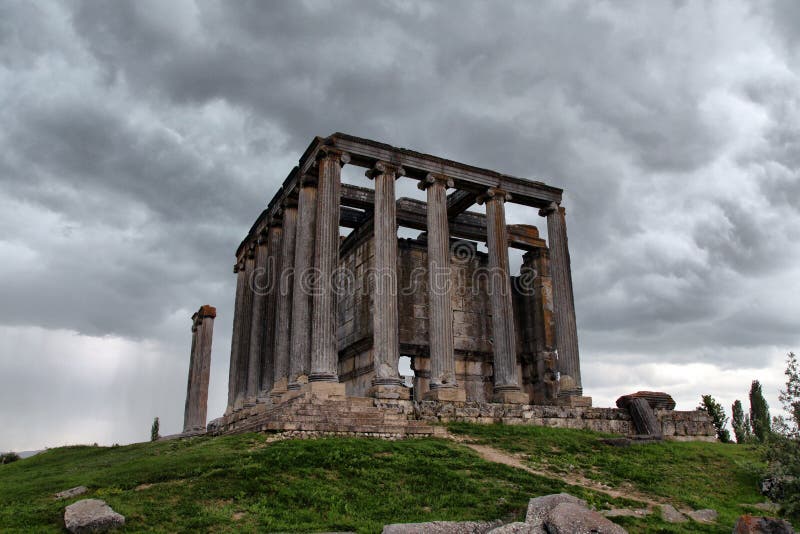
{"points": [[328, 299]]}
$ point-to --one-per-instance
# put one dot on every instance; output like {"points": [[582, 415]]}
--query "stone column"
{"points": [[274, 237], [243, 369], [386, 345], [258, 285], [194, 415], [236, 333], [545, 385], [443, 384], [566, 329], [300, 364], [324, 354], [283, 310], [506, 378]]}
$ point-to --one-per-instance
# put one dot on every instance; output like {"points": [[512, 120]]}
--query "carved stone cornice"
{"points": [[431, 179], [383, 167]]}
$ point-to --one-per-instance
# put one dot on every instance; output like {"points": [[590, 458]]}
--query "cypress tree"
{"points": [[740, 422], [759, 413]]}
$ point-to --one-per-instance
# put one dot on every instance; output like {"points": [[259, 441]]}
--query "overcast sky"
{"points": [[139, 140]]}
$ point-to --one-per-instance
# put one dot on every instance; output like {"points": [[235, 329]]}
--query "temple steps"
{"points": [[313, 415]]}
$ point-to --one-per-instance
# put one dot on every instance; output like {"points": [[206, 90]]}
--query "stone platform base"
{"points": [[308, 412]]}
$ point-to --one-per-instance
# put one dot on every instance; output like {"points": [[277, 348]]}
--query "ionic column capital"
{"points": [[309, 180], [383, 167], [551, 208], [289, 202], [251, 250], [238, 266], [431, 179], [331, 153], [494, 193]]}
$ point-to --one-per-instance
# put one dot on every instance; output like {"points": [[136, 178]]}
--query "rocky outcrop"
{"points": [[551, 514], [91, 515]]}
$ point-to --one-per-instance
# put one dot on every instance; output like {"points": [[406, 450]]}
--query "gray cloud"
{"points": [[141, 139]]}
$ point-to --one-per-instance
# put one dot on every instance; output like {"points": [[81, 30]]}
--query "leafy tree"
{"points": [[8, 457], [154, 430], [740, 423], [759, 413], [783, 454], [718, 417]]}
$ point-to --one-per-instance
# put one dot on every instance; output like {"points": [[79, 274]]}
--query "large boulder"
{"points": [[658, 400], [571, 518], [91, 515], [749, 524], [563, 513]]}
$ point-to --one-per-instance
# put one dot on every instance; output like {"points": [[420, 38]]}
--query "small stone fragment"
{"points": [[72, 492], [91, 515], [749, 524], [671, 515], [706, 515]]}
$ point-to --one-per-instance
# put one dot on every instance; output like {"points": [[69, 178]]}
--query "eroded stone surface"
{"points": [[539, 507], [442, 527], [671, 515], [91, 515], [572, 518], [705, 515], [749, 524]]}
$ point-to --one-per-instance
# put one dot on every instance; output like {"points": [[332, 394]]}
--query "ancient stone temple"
{"points": [[314, 307], [328, 299]]}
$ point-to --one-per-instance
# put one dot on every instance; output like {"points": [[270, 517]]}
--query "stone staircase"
{"points": [[312, 415]]}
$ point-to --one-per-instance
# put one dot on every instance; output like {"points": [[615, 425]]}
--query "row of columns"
{"points": [[281, 316]]}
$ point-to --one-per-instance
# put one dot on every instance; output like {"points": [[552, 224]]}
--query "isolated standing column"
{"points": [[324, 355], [194, 417]]}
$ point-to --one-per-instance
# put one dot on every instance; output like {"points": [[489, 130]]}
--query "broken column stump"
{"points": [[642, 406]]}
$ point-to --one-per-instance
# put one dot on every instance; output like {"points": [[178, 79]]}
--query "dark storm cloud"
{"points": [[140, 140]]}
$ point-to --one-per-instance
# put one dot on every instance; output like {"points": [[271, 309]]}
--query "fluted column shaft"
{"points": [[506, 377], [243, 366], [236, 333], [283, 318], [274, 238], [324, 354], [300, 363], [200, 369], [440, 306], [386, 348], [566, 327], [258, 285]]}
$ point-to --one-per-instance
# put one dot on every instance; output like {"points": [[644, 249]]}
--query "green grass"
{"points": [[692, 475], [244, 484]]}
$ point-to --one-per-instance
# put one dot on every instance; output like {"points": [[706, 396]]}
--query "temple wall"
{"points": [[472, 321]]}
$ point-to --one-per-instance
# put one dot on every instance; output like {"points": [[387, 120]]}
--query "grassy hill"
{"points": [[247, 483]]}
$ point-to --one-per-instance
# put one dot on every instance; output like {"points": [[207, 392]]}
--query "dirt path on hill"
{"points": [[491, 454]]}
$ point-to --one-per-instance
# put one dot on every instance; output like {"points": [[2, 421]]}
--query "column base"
{"points": [[389, 391], [323, 390], [510, 396], [298, 383], [323, 377], [456, 394], [574, 401], [279, 390]]}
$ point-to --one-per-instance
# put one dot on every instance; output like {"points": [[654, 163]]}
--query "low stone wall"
{"points": [[676, 425]]}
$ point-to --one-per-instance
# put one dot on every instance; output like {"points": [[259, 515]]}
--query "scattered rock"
{"points": [[749, 524], [770, 507], [442, 527], [571, 518], [539, 508], [72, 492], [91, 515], [671, 515], [142, 487], [706, 515], [517, 528], [626, 512]]}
